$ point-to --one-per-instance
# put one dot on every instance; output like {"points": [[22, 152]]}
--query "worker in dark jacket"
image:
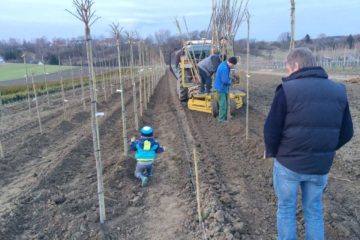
{"points": [[146, 148], [222, 84], [308, 121], [207, 67]]}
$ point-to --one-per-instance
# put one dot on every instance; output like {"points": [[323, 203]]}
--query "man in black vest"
{"points": [[308, 121]]}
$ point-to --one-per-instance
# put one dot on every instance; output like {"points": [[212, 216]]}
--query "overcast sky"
{"points": [[29, 19]]}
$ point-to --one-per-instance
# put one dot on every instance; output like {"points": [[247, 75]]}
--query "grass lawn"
{"points": [[11, 71]]}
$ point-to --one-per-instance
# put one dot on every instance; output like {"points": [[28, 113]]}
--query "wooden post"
{"points": [[62, 91], [198, 193], [85, 15], [45, 80], [247, 74], [116, 31], [36, 102], [292, 39], [27, 84], [133, 83]]}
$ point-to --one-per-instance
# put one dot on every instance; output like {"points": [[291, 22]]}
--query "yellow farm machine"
{"points": [[184, 66]]}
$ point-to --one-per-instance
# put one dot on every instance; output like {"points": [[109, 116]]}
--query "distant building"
{"points": [[1, 60]]}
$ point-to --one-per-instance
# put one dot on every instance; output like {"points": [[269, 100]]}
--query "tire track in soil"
{"points": [[170, 201], [166, 208], [247, 178], [228, 167]]}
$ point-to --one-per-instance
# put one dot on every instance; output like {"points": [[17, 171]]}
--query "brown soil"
{"points": [[48, 184]]}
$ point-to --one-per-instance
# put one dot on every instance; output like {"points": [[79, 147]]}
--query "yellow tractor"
{"points": [[184, 66]]}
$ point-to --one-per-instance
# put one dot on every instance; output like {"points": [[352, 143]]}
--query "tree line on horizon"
{"points": [[50, 51]]}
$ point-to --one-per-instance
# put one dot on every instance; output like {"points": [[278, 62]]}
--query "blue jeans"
{"points": [[142, 167], [286, 185], [205, 79]]}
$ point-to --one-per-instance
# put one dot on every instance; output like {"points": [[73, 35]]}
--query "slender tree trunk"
{"points": [[292, 39], [102, 67], [108, 73], [247, 75], [140, 78], [111, 74], [144, 74], [27, 86], [72, 77], [95, 127], [62, 91], [45, 80], [134, 86], [123, 110], [36, 102], [82, 86]]}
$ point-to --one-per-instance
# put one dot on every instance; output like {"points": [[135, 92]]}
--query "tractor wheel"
{"points": [[214, 108], [183, 94], [232, 107]]}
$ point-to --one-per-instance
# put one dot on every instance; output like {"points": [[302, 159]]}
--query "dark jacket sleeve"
{"points": [[160, 149], [347, 130], [133, 146], [274, 123]]}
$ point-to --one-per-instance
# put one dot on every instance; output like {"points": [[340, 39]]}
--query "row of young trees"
{"points": [[145, 66]]}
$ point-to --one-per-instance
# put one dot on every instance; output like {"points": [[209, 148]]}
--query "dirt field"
{"points": [[48, 186]]}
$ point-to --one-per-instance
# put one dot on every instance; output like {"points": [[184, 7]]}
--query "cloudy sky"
{"points": [[29, 19]]}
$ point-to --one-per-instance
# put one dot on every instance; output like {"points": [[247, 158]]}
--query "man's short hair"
{"points": [[303, 56], [233, 60]]}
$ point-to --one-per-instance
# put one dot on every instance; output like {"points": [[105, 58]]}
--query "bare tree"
{"points": [[226, 19], [117, 32], [85, 14], [131, 40]]}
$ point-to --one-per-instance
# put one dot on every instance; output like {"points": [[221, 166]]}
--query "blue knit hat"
{"points": [[146, 131]]}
